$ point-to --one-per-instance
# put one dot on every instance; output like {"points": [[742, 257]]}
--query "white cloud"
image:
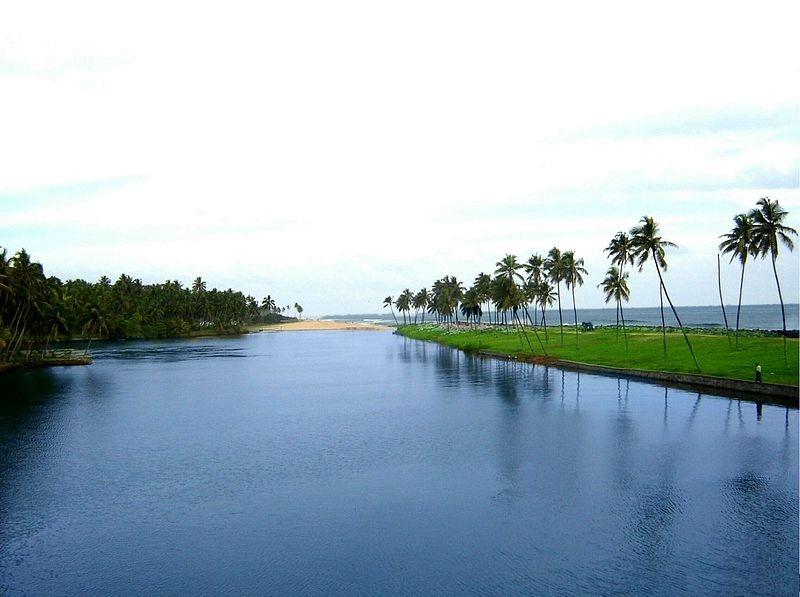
{"points": [[276, 143]]}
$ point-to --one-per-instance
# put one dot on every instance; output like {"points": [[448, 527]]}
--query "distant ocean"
{"points": [[762, 317]]}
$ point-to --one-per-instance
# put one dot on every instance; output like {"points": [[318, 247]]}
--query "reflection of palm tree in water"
{"points": [[622, 448], [693, 413]]}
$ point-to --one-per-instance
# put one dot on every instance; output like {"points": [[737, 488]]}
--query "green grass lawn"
{"points": [[604, 346]]}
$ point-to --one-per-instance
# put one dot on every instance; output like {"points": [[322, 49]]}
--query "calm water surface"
{"points": [[365, 463]]}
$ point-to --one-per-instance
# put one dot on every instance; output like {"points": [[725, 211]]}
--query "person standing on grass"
{"points": [[758, 372]]}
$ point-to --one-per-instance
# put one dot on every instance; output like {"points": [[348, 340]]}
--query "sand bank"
{"points": [[317, 325]]}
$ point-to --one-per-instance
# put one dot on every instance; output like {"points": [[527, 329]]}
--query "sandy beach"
{"points": [[317, 325]]}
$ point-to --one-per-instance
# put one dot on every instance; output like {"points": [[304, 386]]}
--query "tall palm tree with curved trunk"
{"points": [[770, 232], [615, 286], [740, 242], [387, 302], [648, 243], [545, 296], [534, 267], [554, 267], [512, 297], [95, 323], [573, 276], [621, 251]]}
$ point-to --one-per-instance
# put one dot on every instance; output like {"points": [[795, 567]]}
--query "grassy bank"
{"points": [[604, 346]]}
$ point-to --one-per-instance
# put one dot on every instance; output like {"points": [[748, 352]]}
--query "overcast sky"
{"points": [[332, 153]]}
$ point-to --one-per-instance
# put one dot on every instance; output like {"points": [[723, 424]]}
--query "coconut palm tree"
{"points": [[573, 276], [508, 267], [199, 285], [740, 242], [403, 303], [554, 268], [387, 302], [546, 296], [470, 305], [508, 271], [483, 288], [268, 303], [420, 302], [648, 243], [615, 286], [534, 267], [769, 233], [94, 323], [621, 252]]}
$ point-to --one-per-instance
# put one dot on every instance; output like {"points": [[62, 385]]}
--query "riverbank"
{"points": [[308, 325], [63, 360], [605, 348]]}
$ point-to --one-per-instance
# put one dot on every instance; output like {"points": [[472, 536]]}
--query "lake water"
{"points": [[345, 463]]}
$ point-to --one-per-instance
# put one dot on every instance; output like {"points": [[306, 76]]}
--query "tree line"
{"points": [[516, 287], [36, 309]]}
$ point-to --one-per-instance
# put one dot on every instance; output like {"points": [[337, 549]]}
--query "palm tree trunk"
{"points": [[624, 333], [783, 310], [544, 350], [739, 304], [721, 302], [560, 319], [544, 323], [575, 313], [678, 319], [663, 324], [394, 316]]}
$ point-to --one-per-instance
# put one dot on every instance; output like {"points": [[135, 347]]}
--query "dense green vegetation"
{"points": [[36, 310], [606, 346], [518, 288]]}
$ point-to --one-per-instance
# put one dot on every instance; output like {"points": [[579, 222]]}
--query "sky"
{"points": [[334, 153]]}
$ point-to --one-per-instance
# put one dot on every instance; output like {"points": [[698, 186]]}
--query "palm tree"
{"points": [[615, 285], [554, 267], [470, 305], [420, 301], [621, 251], [769, 233], [508, 271], [546, 296], [403, 303], [95, 322], [483, 288], [299, 311], [534, 267], [509, 295], [740, 242], [648, 243], [199, 285], [387, 302], [508, 267], [268, 303], [573, 276]]}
